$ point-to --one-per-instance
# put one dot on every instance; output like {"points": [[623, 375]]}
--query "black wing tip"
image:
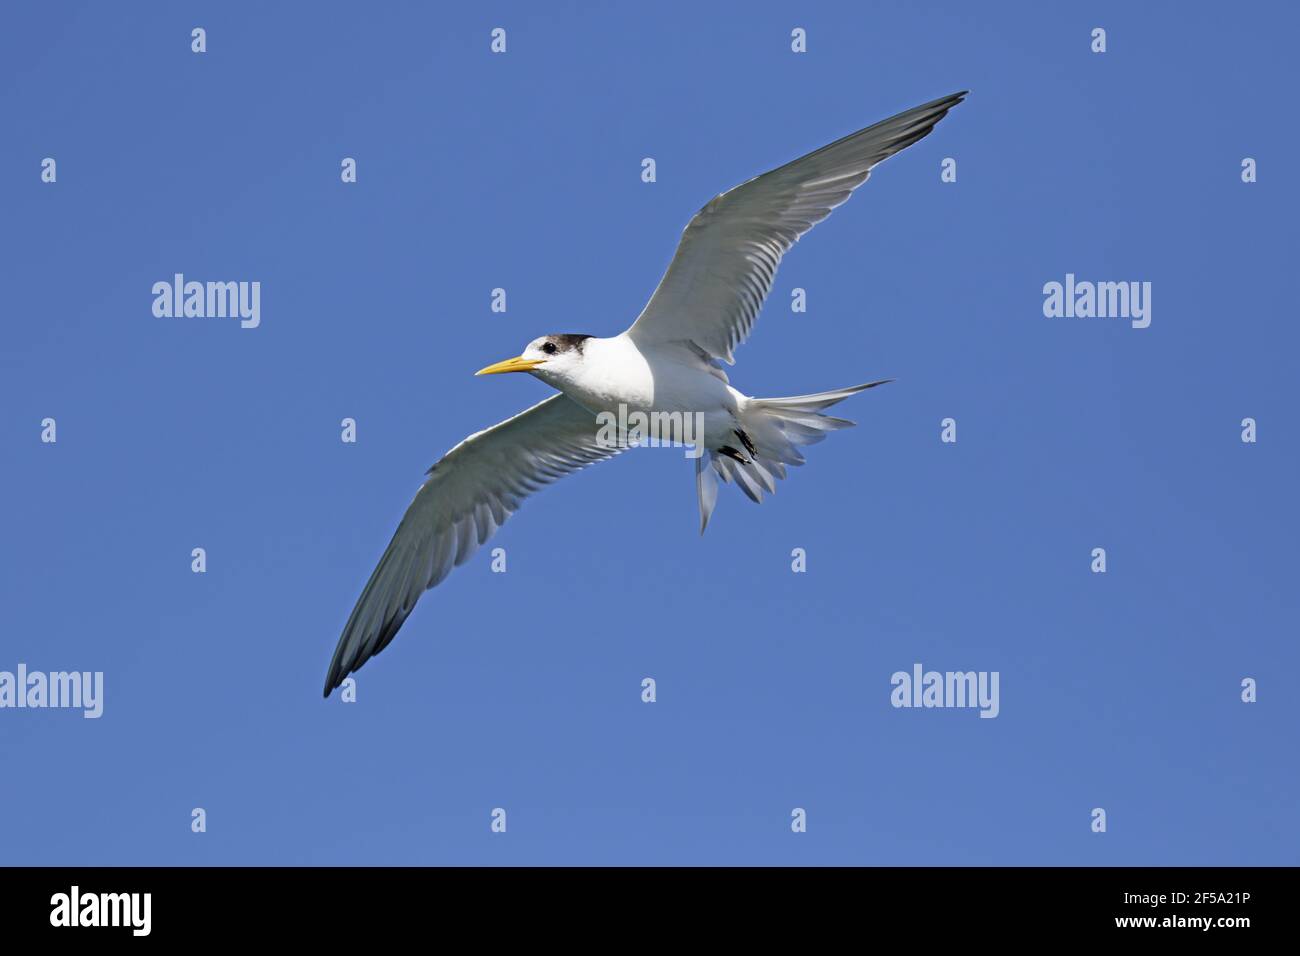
{"points": [[941, 106], [911, 126], [332, 680], [337, 676], [340, 670], [936, 110]]}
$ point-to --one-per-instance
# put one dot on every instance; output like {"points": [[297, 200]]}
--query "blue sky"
{"points": [[522, 690]]}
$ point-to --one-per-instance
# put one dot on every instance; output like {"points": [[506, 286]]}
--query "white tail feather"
{"points": [[777, 427]]}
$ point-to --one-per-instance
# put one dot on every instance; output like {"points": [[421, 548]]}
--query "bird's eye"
{"points": [[549, 348]]}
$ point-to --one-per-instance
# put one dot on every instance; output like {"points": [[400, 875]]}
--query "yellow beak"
{"points": [[510, 365]]}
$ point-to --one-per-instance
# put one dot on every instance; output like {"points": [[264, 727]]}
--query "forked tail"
{"points": [[773, 431]]}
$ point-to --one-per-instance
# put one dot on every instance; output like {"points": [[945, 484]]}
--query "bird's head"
{"points": [[552, 358]]}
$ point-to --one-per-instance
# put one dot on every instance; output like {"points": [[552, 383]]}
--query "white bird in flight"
{"points": [[669, 361]]}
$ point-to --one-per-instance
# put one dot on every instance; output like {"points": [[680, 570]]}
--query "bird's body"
{"points": [[666, 367], [616, 375]]}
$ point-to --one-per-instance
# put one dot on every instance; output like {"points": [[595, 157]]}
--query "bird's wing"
{"points": [[729, 252], [469, 494]]}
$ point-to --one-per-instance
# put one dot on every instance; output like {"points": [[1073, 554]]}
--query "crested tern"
{"points": [[668, 361]]}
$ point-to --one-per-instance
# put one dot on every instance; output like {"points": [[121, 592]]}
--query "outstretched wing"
{"points": [[729, 252], [469, 494]]}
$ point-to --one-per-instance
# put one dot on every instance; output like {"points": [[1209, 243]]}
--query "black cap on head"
{"points": [[564, 342]]}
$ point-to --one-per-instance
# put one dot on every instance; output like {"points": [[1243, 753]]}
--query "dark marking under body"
{"points": [[747, 442]]}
